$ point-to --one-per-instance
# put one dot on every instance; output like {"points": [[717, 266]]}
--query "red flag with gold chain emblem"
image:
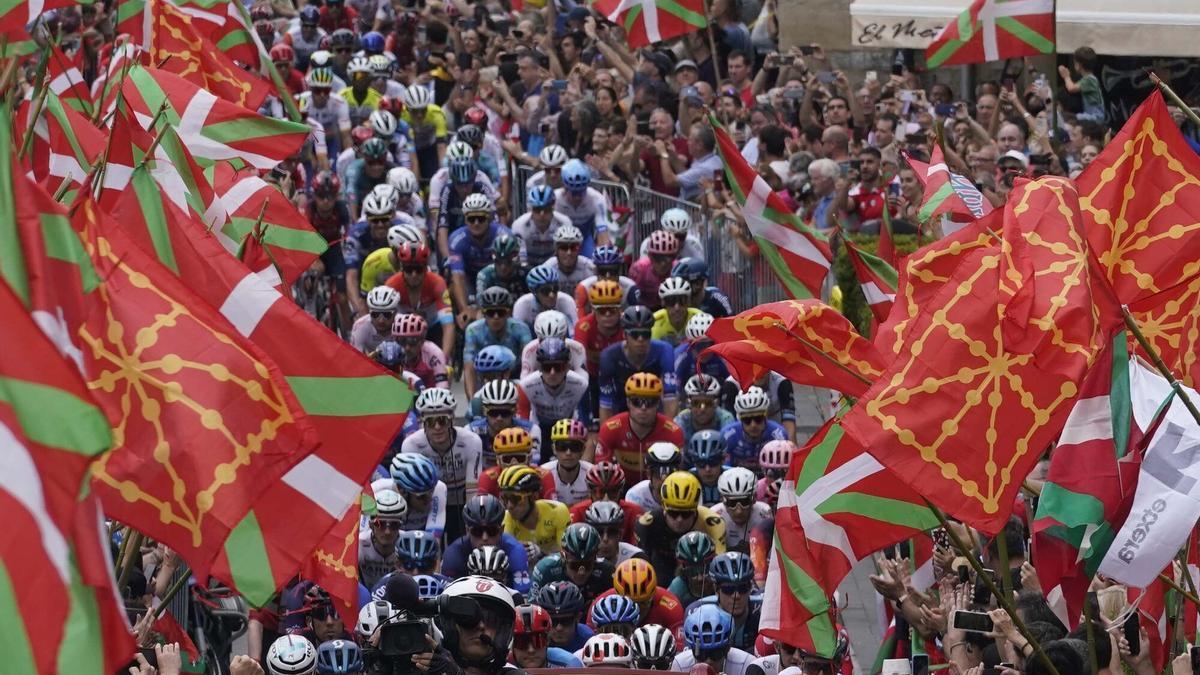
{"points": [[333, 565], [988, 362]]}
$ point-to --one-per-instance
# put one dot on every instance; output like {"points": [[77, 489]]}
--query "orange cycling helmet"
{"points": [[644, 384], [605, 292], [511, 441], [635, 579]]}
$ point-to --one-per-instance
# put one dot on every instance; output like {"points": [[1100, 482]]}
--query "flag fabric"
{"points": [[333, 565], [219, 20], [877, 279], [168, 627], [66, 80], [15, 16], [1000, 403], [648, 22], [806, 341], [798, 255], [947, 193], [65, 143], [1152, 618], [993, 30]]}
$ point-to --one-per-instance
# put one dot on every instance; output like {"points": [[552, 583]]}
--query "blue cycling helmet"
{"points": [[615, 609], [495, 359], [413, 472], [372, 43], [559, 598], [462, 169], [606, 255], [552, 350], [416, 549], [731, 568], [541, 196], [310, 15], [576, 175], [541, 276], [705, 447], [389, 354], [429, 586], [690, 269], [708, 627], [339, 657]]}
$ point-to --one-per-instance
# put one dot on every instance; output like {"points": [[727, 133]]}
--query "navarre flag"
{"points": [[806, 341], [333, 565], [218, 20], [876, 278], [15, 16], [648, 22], [798, 255], [947, 193], [993, 30]]}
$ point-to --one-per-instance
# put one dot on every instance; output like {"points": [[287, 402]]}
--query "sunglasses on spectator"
{"points": [[735, 589], [380, 315], [678, 514], [495, 312], [556, 367], [638, 334], [753, 419], [413, 269], [437, 422], [485, 530], [568, 446], [530, 641], [740, 502], [499, 413], [643, 402]]}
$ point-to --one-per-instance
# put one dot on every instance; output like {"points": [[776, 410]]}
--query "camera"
{"points": [[407, 633]]}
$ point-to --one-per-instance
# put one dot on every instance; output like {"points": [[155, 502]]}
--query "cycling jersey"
{"points": [[430, 366], [459, 465], [552, 519], [579, 639], [625, 551], [584, 268], [303, 47], [516, 335], [538, 243], [440, 188], [590, 215], [618, 442], [430, 129], [569, 493], [373, 565], [735, 662], [691, 248], [359, 243], [551, 568], [527, 308], [716, 303], [480, 426], [469, 255], [587, 333], [632, 513], [529, 362], [361, 107], [743, 451], [547, 404], [745, 628], [487, 277], [615, 369], [665, 610], [646, 282], [737, 537], [454, 560], [684, 420], [643, 496], [377, 268], [581, 292], [432, 519], [489, 482], [679, 587], [709, 494], [358, 184], [686, 354], [668, 332], [431, 300], [658, 540], [334, 116], [331, 224], [363, 335]]}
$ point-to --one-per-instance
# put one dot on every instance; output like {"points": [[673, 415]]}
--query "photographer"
{"points": [[474, 642]]}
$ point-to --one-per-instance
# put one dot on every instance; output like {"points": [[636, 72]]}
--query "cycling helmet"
{"points": [[435, 401], [605, 475], [675, 221], [773, 489], [702, 384], [552, 350], [614, 608], [383, 123], [672, 286], [482, 510], [706, 446], [513, 440], [383, 299], [692, 269], [495, 297], [663, 454], [360, 134], [339, 657], [321, 57], [568, 430], [386, 192], [568, 234], [497, 608], [697, 325], [310, 15], [541, 276], [372, 42], [417, 97], [488, 561], [652, 645], [707, 627], [531, 620], [776, 455], [662, 243], [505, 246], [681, 491], [291, 655], [374, 148], [737, 483], [606, 649], [550, 323], [358, 64], [371, 615], [405, 235], [326, 184], [462, 170], [637, 316], [319, 78], [282, 52], [389, 354], [477, 202], [412, 254], [416, 549], [753, 401], [730, 568], [576, 175], [429, 586], [403, 179], [541, 196], [499, 392], [390, 505], [635, 579], [695, 548], [495, 358], [644, 384], [580, 540], [552, 155], [381, 66], [459, 150], [376, 205], [559, 598], [604, 514], [343, 37], [470, 134], [476, 115], [521, 478], [413, 472], [605, 292], [409, 326], [606, 256]]}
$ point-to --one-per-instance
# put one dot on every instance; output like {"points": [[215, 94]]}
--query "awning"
{"points": [[1141, 28]]}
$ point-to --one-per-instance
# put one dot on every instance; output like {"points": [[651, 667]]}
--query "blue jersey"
{"points": [[684, 420], [469, 255], [480, 426], [615, 368], [742, 450], [582, 633], [716, 303], [561, 658], [478, 335], [685, 363], [709, 494], [450, 213], [454, 562]]}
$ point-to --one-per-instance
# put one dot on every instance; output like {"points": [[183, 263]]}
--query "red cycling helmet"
{"points": [[606, 476], [531, 620], [361, 134], [416, 254], [282, 52], [326, 184], [476, 115]]}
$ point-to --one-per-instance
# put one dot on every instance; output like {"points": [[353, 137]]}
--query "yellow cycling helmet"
{"points": [[605, 292], [644, 384], [511, 441], [680, 491], [521, 478], [568, 429], [635, 579]]}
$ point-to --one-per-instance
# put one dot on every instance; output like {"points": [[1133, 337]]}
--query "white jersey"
{"points": [[304, 48], [591, 211], [459, 466], [529, 362], [372, 565], [643, 496], [692, 248], [584, 268], [363, 335], [539, 243], [569, 493], [439, 180], [335, 116], [526, 309], [432, 521], [735, 663], [625, 551], [736, 534], [547, 406]]}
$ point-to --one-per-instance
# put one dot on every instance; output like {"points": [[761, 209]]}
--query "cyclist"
{"points": [[746, 519], [494, 362], [773, 460], [339, 657], [609, 267], [383, 67], [572, 268], [688, 352], [552, 323], [606, 482], [368, 331], [576, 562], [408, 195], [490, 562], [637, 352], [499, 400], [614, 614], [676, 222], [495, 328], [418, 553], [428, 124], [703, 412], [732, 575], [528, 518], [552, 158], [707, 457], [564, 603], [554, 390], [662, 459], [673, 318], [606, 650], [537, 227], [365, 238], [417, 477], [473, 136], [328, 215], [471, 248], [450, 186], [377, 546], [568, 470], [707, 632], [659, 530], [708, 299], [291, 655], [484, 518], [327, 109], [543, 294], [636, 580], [779, 391], [597, 331], [394, 135], [306, 36], [531, 642], [653, 647], [457, 451], [609, 520], [421, 357], [626, 436], [364, 173], [584, 205], [650, 270], [505, 270], [512, 447], [362, 99], [422, 292], [746, 436], [382, 264], [693, 553]]}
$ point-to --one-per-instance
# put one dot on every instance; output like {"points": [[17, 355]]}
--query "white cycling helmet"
{"points": [[402, 235], [675, 221], [662, 453], [377, 205], [674, 286], [403, 179], [498, 392], [606, 649], [291, 655], [477, 202], [434, 401], [702, 384], [387, 192], [383, 299], [736, 482], [697, 326], [568, 234], [753, 401], [383, 122], [417, 97], [390, 505], [776, 454], [497, 598], [488, 561], [371, 615], [552, 155], [550, 323], [459, 150], [359, 64], [652, 642]]}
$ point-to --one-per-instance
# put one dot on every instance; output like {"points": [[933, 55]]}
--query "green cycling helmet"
{"points": [[505, 246], [374, 148], [581, 540], [695, 548]]}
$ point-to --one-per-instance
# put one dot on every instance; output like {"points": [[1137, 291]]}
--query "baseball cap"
{"points": [[1017, 155]]}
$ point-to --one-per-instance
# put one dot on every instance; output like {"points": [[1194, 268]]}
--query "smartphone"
{"points": [[786, 59], [844, 168], [558, 85], [826, 77], [972, 622], [893, 189], [1133, 635], [907, 95], [897, 67], [466, 24], [872, 76], [643, 126], [964, 573], [920, 664], [944, 109], [1014, 576], [518, 34], [982, 594], [1010, 85], [794, 94], [807, 50]]}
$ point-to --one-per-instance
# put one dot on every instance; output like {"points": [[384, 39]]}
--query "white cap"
{"points": [[1017, 155]]}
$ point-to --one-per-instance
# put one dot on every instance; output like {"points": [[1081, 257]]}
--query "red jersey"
{"points": [[665, 610], [632, 513], [588, 334], [489, 482], [617, 441], [344, 20], [869, 204], [432, 301]]}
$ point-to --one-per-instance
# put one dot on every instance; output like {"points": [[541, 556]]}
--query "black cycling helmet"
{"points": [[559, 598], [343, 37], [637, 317], [495, 297], [470, 134], [483, 510]]}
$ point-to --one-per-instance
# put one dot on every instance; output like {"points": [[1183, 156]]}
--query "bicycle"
{"points": [[316, 294], [219, 617]]}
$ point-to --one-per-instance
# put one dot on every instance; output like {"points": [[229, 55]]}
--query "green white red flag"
{"points": [[994, 30], [64, 145], [876, 278], [947, 193], [648, 22]]}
